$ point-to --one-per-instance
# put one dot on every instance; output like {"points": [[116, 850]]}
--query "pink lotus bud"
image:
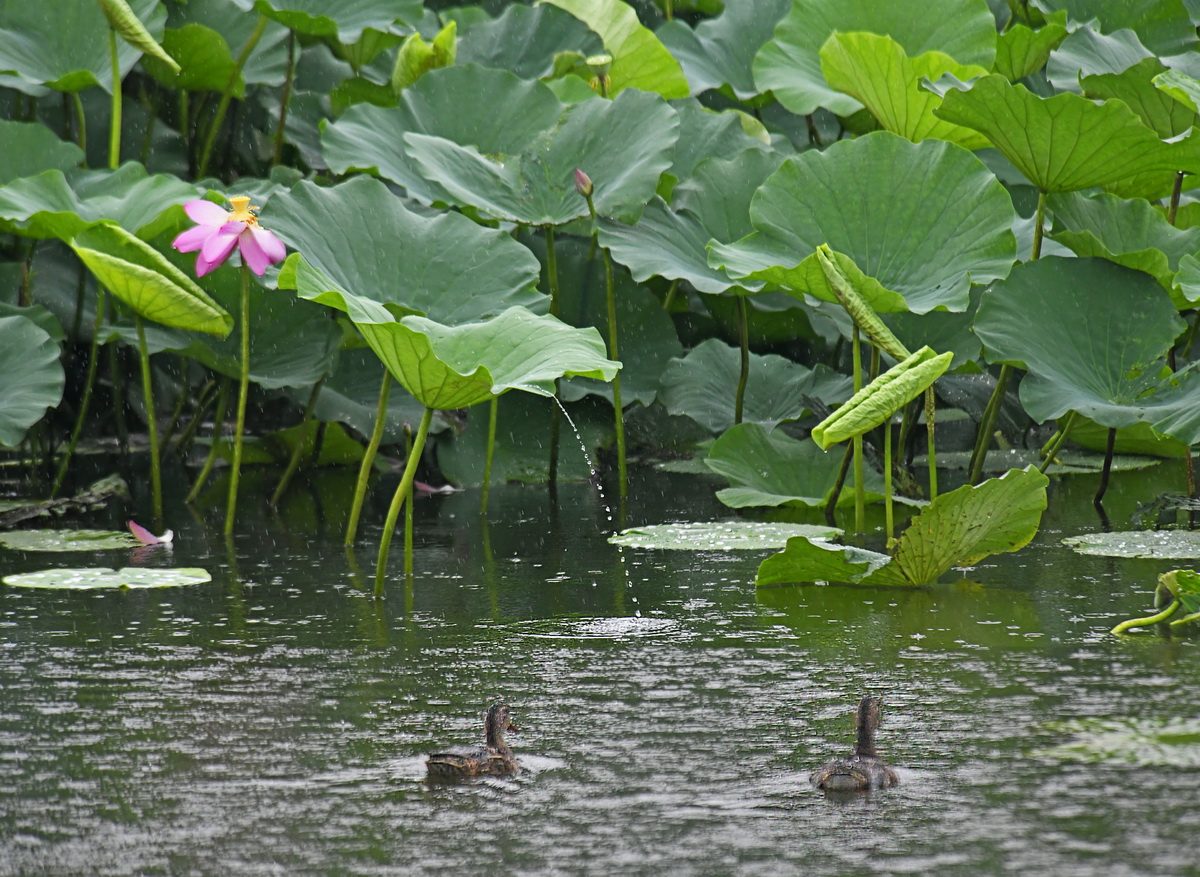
{"points": [[583, 183]]}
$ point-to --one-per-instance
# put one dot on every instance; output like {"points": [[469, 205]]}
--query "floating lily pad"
{"points": [[719, 535], [1171, 742], [92, 578], [1065, 462], [1154, 544], [66, 540]]}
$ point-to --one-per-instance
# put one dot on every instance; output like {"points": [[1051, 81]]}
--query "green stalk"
{"points": [[210, 138], [930, 406], [408, 518], [669, 299], [1102, 487], [552, 282], [364, 471], [151, 422], [493, 410], [80, 123], [618, 409], [1056, 442], [89, 382], [988, 422], [298, 451], [1173, 209], [739, 401], [243, 392], [887, 477], [860, 490], [218, 427], [1147, 621], [1187, 619], [403, 491], [277, 152], [114, 131]]}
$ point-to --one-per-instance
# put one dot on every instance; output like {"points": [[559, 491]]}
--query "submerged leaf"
{"points": [[66, 540], [1156, 544]]}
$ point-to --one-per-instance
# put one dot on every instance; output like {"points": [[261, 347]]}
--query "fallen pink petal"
{"points": [[144, 536], [219, 231]]}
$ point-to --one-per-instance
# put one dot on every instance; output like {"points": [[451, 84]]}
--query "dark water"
{"points": [[274, 721]]}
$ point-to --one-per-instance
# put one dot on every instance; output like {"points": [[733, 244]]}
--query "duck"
{"points": [[494, 759], [864, 770]]}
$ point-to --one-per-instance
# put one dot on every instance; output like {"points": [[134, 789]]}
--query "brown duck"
{"points": [[494, 759], [864, 770]]}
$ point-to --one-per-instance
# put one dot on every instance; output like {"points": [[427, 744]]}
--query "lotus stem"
{"points": [[368, 461], [403, 492], [552, 282], [860, 490], [408, 515], [1187, 619], [930, 408], [839, 482], [1039, 219], [210, 138], [744, 365], [80, 124], [669, 298], [493, 411], [277, 152], [114, 131], [1056, 442], [1176, 191], [618, 408], [987, 423], [207, 394], [1147, 621], [151, 422], [298, 451], [1102, 487], [243, 392], [218, 428], [887, 477], [88, 383]]}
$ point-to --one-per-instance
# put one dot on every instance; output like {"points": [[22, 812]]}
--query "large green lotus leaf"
{"points": [[703, 386], [639, 60], [92, 578], [772, 469], [720, 51], [67, 540], [883, 397], [31, 376], [148, 282], [267, 64], [1159, 110], [923, 221], [1153, 544], [790, 66], [623, 145], [448, 367], [958, 528], [1104, 360], [705, 134], [358, 241], [1130, 233], [205, 61], [719, 535], [1021, 51], [671, 241], [492, 110], [54, 204], [344, 20], [30, 148], [1181, 87], [64, 44], [1087, 52], [524, 40], [1163, 26], [1065, 142], [647, 339], [803, 561], [875, 71]]}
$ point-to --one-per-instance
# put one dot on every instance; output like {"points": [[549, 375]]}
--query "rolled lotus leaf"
{"points": [[1184, 585], [856, 306], [125, 22], [883, 397]]}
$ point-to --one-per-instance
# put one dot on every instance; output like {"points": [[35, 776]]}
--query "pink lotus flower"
{"points": [[144, 536], [219, 231]]}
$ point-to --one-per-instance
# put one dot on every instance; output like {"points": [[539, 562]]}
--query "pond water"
{"points": [[274, 720]]}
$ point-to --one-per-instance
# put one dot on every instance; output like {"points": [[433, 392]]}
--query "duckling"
{"points": [[494, 759], [864, 770]]}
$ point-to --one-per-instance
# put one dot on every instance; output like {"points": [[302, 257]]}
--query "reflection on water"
{"points": [[275, 721]]}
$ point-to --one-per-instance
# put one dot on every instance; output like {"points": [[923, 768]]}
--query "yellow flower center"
{"points": [[241, 210]]}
